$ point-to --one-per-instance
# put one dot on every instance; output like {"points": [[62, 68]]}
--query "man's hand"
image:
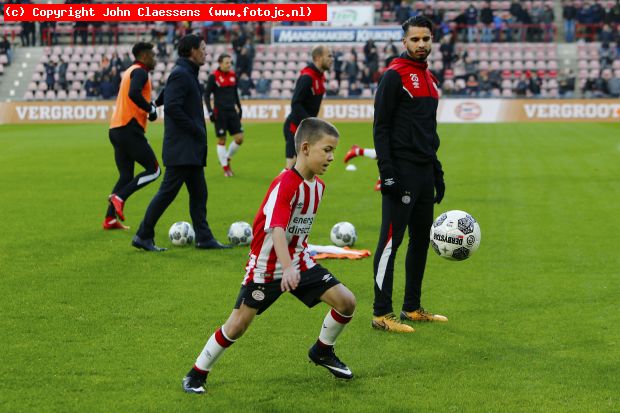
{"points": [[389, 186], [212, 117], [290, 279], [153, 112], [440, 189]]}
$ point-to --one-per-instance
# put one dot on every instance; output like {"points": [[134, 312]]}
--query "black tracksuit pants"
{"points": [[175, 176], [130, 146], [416, 182]]}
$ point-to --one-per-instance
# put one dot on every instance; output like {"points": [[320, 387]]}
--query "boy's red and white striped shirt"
{"points": [[291, 203]]}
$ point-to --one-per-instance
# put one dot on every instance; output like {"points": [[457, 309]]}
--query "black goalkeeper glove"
{"points": [[440, 188], [153, 112], [240, 113], [389, 185]]}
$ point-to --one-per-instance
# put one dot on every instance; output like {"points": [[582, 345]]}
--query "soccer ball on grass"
{"points": [[240, 233], [455, 235], [181, 233], [343, 234]]}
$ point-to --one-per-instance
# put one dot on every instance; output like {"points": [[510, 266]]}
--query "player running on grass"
{"points": [[127, 128], [226, 112], [279, 259]]}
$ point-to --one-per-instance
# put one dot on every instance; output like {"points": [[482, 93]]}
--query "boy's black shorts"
{"points": [[312, 284], [227, 121]]}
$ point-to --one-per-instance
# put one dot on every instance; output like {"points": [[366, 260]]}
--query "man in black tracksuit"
{"points": [[184, 149], [307, 97], [406, 141]]}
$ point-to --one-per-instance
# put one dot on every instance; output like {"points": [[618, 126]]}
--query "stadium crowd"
{"points": [[469, 59]]}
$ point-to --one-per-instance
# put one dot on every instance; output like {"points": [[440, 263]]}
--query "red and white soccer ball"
{"points": [[240, 233], [343, 234], [455, 235], [181, 233]]}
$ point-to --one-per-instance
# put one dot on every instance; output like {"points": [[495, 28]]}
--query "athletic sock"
{"points": [[232, 149], [333, 325], [217, 343], [221, 154], [369, 153]]}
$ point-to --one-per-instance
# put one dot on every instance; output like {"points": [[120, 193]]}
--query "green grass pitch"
{"points": [[89, 324]]}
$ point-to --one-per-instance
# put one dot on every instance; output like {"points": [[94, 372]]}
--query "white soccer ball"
{"points": [[181, 233], [240, 233], [343, 234], [455, 235]]}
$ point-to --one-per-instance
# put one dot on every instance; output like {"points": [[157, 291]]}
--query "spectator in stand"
{"points": [[162, 49], [50, 74], [606, 55], [171, 28], [535, 85], [5, 48], [91, 86], [111, 29], [366, 78], [351, 69], [106, 87], [486, 18], [354, 89], [536, 14], [485, 86], [97, 31], [471, 20], [238, 41], [584, 18], [522, 86], [263, 86], [613, 17], [472, 87], [115, 79], [127, 61], [447, 51], [436, 19], [471, 67], [566, 84], [243, 62], [596, 87], [548, 17], [389, 50], [607, 34], [569, 13], [613, 85], [23, 34], [116, 62], [80, 29], [461, 25], [251, 52], [338, 65], [402, 11], [598, 17], [62, 74], [245, 86], [332, 89]]}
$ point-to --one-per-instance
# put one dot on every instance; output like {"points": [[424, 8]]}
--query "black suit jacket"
{"points": [[185, 131]]}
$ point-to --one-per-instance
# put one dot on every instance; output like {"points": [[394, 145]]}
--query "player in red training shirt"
{"points": [[279, 259]]}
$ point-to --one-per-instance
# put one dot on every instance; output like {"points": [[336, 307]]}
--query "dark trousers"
{"points": [[130, 146], [417, 186], [175, 176]]}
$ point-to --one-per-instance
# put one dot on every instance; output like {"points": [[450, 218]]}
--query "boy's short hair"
{"points": [[187, 43], [222, 57], [311, 130], [139, 48]]}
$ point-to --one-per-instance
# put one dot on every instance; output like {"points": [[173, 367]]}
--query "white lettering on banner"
{"points": [[348, 111], [572, 111], [62, 112], [261, 111]]}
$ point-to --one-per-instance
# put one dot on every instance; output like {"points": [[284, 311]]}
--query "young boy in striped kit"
{"points": [[279, 259]]}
